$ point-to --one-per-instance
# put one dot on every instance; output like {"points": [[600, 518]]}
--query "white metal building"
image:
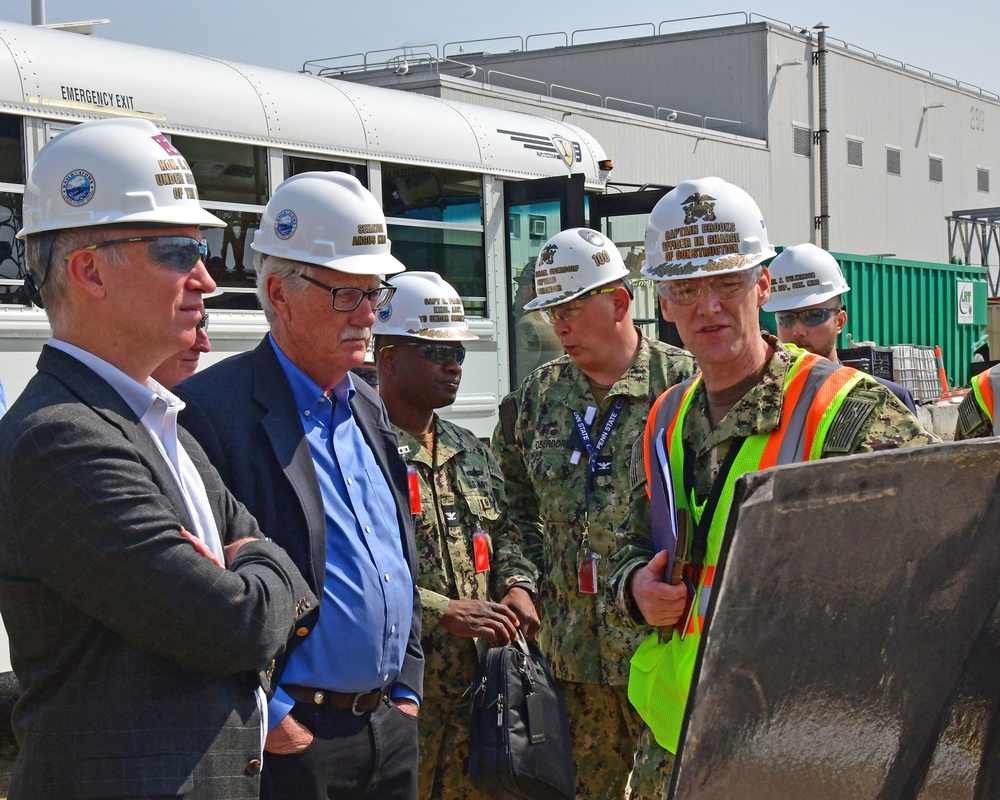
{"points": [[906, 148]]}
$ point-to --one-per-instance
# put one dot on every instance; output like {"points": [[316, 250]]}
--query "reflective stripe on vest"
{"points": [[986, 387], [815, 389]]}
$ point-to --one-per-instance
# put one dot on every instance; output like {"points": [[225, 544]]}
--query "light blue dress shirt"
{"points": [[366, 607]]}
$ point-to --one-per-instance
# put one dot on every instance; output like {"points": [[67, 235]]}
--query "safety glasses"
{"points": [[180, 253], [566, 312], [442, 354], [811, 317], [348, 298], [686, 291]]}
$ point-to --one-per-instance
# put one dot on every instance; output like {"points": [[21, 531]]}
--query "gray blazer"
{"points": [[138, 657], [243, 413]]}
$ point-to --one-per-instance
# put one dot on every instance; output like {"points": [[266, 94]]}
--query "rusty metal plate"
{"points": [[853, 648]]}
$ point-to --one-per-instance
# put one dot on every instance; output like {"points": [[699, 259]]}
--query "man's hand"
{"points": [[519, 601], [233, 548], [288, 737], [494, 622], [407, 706], [200, 547], [660, 603]]}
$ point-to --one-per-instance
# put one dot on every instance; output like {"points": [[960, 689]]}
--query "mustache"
{"points": [[355, 333]]}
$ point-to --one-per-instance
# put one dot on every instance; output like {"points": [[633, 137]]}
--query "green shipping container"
{"points": [[893, 301]]}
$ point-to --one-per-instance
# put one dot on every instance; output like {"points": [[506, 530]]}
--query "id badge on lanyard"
{"points": [[586, 559]]}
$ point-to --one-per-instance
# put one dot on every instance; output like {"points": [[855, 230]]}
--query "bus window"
{"points": [[435, 220], [226, 172], [11, 150], [457, 255], [230, 258], [12, 174], [11, 251], [296, 165]]}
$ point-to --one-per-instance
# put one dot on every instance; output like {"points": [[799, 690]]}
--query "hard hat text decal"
{"points": [[176, 172], [790, 282], [369, 233], [443, 309]]}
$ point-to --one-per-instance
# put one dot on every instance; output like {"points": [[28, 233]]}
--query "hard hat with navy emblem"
{"points": [[573, 262], [804, 275], [327, 219], [111, 172], [424, 306], [704, 227]]}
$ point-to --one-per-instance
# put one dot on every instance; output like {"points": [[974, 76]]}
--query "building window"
{"points": [[983, 179], [893, 164], [802, 141], [855, 153], [936, 165]]}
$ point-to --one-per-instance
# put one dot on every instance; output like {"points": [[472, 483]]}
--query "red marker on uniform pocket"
{"points": [[481, 551], [414, 481]]}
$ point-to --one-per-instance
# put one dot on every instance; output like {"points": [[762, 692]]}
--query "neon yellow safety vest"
{"points": [[815, 388], [986, 388]]}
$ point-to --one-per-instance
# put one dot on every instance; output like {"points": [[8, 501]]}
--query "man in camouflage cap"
{"points": [[756, 403], [418, 338], [564, 442]]}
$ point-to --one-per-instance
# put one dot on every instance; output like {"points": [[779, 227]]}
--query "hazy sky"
{"points": [[953, 39]]}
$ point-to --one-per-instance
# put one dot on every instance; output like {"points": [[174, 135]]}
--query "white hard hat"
{"points": [[327, 219], [572, 262], [702, 228], [804, 275], [424, 306], [111, 172]]}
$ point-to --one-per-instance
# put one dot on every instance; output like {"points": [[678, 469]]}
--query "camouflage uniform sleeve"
{"points": [[517, 542], [973, 423], [871, 419], [432, 608], [634, 548]]}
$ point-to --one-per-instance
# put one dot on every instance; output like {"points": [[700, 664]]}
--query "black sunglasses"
{"points": [[181, 253], [348, 298], [811, 317], [442, 354]]}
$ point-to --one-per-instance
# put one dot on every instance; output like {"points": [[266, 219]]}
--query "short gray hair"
{"points": [[64, 244], [289, 271]]}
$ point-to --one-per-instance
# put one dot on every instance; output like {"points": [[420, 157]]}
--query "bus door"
{"points": [[534, 211], [622, 217]]}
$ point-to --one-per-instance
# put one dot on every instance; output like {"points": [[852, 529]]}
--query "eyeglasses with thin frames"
{"points": [[180, 253], [686, 291], [566, 312], [348, 298], [442, 354], [810, 317]]}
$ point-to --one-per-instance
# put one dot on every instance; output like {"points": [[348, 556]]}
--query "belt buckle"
{"points": [[358, 696]]}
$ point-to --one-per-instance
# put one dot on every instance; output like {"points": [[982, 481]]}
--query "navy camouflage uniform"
{"points": [[872, 418], [461, 491], [546, 494]]}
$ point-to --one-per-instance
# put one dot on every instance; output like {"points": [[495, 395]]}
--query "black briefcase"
{"points": [[519, 744]]}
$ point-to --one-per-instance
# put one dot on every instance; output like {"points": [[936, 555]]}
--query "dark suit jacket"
{"points": [[137, 656], [243, 413]]}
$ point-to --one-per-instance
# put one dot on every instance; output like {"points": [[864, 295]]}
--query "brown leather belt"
{"points": [[360, 703]]}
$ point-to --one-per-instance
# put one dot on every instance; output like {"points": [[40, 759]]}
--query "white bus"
{"points": [[468, 191]]}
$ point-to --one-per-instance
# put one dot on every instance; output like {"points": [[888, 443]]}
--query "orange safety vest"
{"points": [[986, 388], [662, 673]]}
